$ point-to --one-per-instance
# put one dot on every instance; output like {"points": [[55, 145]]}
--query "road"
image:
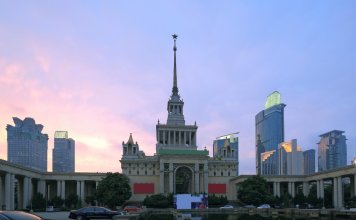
{"points": [[54, 215]]}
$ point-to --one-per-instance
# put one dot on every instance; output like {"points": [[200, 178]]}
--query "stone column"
{"points": [[161, 178], [190, 138], [196, 177], [305, 189], [169, 137], [293, 189], [185, 138], [25, 192], [335, 199], [317, 189], [174, 138], [9, 191], [340, 196], [78, 188], [321, 184], [1, 192], [164, 136], [274, 189], [206, 173], [58, 188], [278, 189], [82, 190], [179, 138], [63, 189], [171, 182], [30, 188], [96, 184], [289, 188], [354, 185]]}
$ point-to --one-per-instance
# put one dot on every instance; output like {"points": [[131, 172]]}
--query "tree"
{"points": [[158, 201], [71, 201], [57, 201], [38, 202], [90, 200], [254, 191], [113, 190]]}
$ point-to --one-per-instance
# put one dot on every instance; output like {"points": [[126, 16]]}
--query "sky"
{"points": [[104, 69]]}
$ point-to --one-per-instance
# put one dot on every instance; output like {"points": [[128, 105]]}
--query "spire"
{"points": [[175, 87]]}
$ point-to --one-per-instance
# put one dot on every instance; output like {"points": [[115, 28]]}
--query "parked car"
{"points": [[249, 206], [227, 207], [15, 215], [92, 212], [264, 206], [131, 208]]}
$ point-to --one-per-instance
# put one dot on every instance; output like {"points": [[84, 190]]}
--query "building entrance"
{"points": [[184, 181]]}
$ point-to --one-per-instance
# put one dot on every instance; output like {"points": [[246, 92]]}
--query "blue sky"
{"points": [[103, 70]]}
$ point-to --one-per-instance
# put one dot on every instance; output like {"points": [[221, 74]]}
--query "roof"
{"points": [[182, 152], [61, 134]]}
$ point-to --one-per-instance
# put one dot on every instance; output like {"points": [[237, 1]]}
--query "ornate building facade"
{"points": [[178, 166]]}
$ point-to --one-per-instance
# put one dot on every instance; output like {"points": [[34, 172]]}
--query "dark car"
{"points": [[18, 215], [92, 212]]}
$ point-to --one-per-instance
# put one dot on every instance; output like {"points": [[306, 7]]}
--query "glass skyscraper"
{"points": [[63, 153], [309, 161], [269, 124], [226, 147], [26, 145], [332, 151]]}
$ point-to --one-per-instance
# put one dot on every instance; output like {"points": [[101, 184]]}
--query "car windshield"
{"points": [[86, 209], [22, 216]]}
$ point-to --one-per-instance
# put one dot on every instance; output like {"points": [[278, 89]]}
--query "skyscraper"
{"points": [[309, 161], [290, 159], [63, 153], [26, 145], [332, 150], [226, 147], [269, 129]]}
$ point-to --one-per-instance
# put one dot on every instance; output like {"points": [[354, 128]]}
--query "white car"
{"points": [[264, 206], [227, 207]]}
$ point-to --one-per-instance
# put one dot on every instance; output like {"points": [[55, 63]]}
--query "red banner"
{"points": [[217, 188], [144, 188]]}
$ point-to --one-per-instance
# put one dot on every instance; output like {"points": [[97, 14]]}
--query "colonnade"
{"points": [[337, 182], [23, 188], [176, 138]]}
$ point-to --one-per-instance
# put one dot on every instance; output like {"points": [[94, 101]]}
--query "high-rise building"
{"points": [[290, 158], [226, 147], [63, 153], [269, 129], [269, 163], [332, 151], [309, 161], [26, 144]]}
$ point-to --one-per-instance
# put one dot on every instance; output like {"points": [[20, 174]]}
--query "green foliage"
{"points": [[90, 200], [158, 201], [254, 191], [38, 202], [300, 198], [113, 190], [56, 201], [214, 200], [71, 201]]}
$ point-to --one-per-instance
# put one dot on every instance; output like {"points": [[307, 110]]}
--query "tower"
{"points": [[269, 128], [26, 144], [63, 153], [332, 152], [175, 134]]}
